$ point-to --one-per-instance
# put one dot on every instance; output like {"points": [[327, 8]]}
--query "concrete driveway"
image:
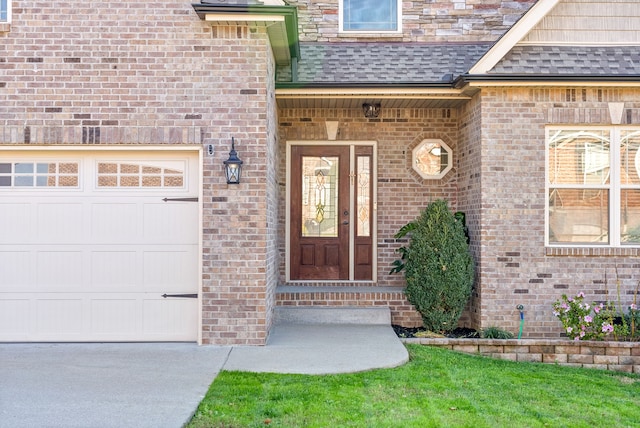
{"points": [[105, 385], [158, 385]]}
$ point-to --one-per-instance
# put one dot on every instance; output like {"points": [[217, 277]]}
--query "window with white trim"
{"points": [[370, 16], [432, 159], [5, 10], [30, 174], [593, 186], [141, 174]]}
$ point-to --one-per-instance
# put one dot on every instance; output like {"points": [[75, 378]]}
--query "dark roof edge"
{"points": [[465, 78], [290, 14], [363, 85], [462, 80]]}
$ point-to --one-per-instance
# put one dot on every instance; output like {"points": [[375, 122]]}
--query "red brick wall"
{"points": [[402, 194], [138, 73], [469, 164], [515, 267]]}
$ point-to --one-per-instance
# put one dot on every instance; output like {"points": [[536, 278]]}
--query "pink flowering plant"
{"points": [[582, 321]]}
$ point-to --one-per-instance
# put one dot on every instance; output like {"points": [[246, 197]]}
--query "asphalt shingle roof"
{"points": [[571, 60], [384, 62]]}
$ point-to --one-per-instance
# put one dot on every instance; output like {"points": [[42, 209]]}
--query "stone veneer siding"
{"points": [[423, 20], [133, 73], [618, 356], [515, 266]]}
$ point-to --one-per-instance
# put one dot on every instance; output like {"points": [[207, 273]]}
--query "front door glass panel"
{"points": [[320, 196]]}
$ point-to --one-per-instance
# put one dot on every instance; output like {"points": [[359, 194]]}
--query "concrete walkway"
{"points": [[322, 349], [161, 384]]}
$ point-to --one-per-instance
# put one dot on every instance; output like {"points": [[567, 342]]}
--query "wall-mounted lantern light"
{"points": [[371, 110], [233, 165]]}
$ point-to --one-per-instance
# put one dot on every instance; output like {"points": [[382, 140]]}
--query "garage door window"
{"points": [[39, 174], [118, 175]]}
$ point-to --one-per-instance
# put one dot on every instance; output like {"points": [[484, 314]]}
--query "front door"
{"points": [[330, 217]]}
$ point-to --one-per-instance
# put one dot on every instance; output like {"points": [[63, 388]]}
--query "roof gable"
{"points": [[519, 30], [573, 28]]}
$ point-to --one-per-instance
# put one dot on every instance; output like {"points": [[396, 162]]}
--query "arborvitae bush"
{"points": [[438, 267]]}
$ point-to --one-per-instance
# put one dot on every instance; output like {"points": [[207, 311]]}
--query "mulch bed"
{"points": [[458, 333]]}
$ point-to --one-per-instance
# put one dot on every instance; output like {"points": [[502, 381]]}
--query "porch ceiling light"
{"points": [[371, 110], [233, 165]]}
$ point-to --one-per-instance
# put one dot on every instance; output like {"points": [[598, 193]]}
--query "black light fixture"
{"points": [[371, 110], [233, 165]]}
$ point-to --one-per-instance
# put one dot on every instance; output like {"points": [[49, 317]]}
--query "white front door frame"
{"points": [[352, 144]]}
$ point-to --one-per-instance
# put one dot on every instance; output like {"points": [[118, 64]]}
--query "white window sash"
{"points": [[614, 186], [343, 31], [5, 12]]}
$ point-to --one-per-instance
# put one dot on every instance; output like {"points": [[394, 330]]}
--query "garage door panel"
{"points": [[89, 259], [59, 270], [115, 317], [16, 223], [115, 222], [60, 223], [115, 270], [170, 270], [16, 270], [170, 222], [14, 318], [59, 316], [169, 316], [97, 317]]}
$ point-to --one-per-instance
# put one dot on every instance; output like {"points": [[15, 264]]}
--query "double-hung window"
{"points": [[593, 186], [5, 10], [370, 16]]}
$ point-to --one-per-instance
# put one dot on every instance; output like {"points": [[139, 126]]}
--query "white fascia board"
{"points": [[242, 17], [519, 30], [555, 83]]}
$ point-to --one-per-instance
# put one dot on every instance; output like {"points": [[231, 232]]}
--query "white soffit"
{"points": [[519, 30], [276, 29]]}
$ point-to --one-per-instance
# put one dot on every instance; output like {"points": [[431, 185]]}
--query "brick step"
{"points": [[350, 296]]}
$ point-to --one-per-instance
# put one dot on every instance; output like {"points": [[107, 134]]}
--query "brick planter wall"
{"points": [[618, 356]]}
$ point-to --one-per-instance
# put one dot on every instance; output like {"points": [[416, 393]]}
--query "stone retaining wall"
{"points": [[618, 356]]}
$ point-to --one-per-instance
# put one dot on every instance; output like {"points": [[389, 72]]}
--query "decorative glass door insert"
{"points": [[320, 196]]}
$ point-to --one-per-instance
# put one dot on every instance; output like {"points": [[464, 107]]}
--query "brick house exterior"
{"points": [[120, 83]]}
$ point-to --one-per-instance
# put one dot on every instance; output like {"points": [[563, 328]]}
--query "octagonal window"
{"points": [[432, 159]]}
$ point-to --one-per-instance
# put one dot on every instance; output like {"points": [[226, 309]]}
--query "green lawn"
{"points": [[437, 388]]}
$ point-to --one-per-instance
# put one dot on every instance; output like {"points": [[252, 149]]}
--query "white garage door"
{"points": [[89, 246]]}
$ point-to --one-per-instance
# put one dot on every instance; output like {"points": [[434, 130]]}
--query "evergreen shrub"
{"points": [[438, 267]]}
